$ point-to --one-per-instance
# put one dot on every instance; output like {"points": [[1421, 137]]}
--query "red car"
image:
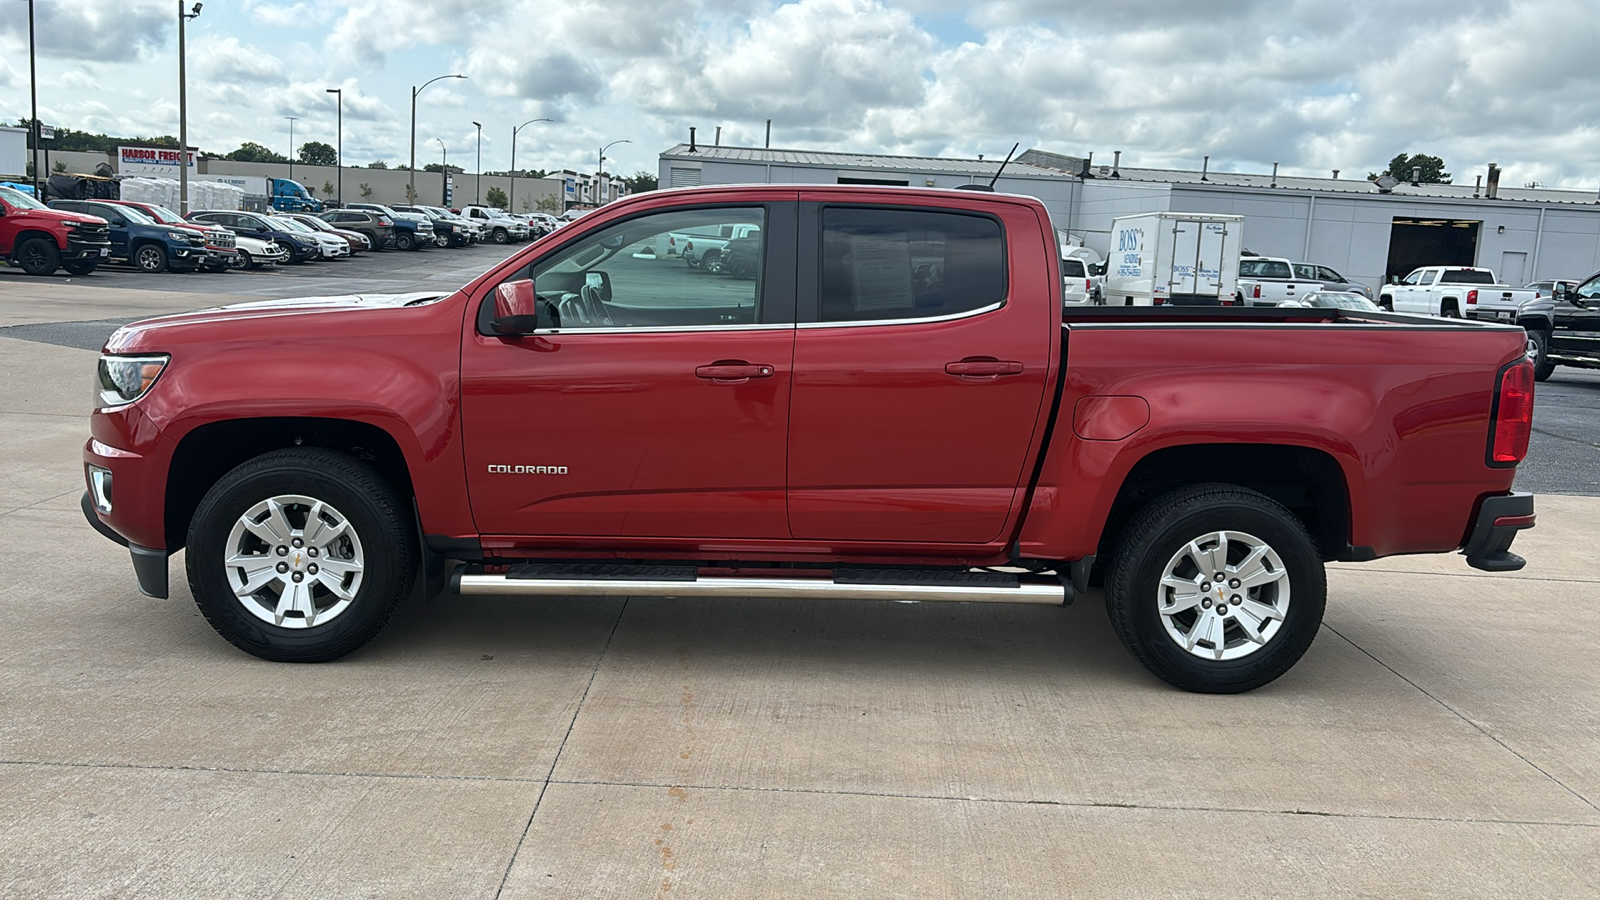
{"points": [[892, 407], [41, 240]]}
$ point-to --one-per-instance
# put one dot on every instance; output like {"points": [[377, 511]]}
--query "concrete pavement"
{"points": [[1440, 739]]}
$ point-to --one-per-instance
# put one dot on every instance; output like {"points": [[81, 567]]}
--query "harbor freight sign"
{"points": [[151, 161]]}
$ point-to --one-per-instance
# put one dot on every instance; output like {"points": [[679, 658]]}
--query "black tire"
{"points": [[1542, 367], [501, 236], [1158, 532], [1450, 310], [372, 508], [150, 258], [82, 266], [711, 262], [38, 256], [242, 260], [404, 240], [1386, 304], [741, 268]]}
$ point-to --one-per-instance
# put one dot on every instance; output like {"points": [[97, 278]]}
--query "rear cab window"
{"points": [[1467, 276], [1073, 268], [1264, 268]]}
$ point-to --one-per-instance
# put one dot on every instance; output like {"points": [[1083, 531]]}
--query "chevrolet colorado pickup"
{"points": [[894, 407]]}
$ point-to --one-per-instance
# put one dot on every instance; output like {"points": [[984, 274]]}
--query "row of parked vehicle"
{"points": [[79, 235]]}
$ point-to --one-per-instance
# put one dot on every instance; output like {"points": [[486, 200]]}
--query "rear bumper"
{"points": [[1488, 547]]}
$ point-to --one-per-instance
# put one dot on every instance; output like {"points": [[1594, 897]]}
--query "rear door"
{"points": [[657, 405], [920, 369], [1185, 257]]}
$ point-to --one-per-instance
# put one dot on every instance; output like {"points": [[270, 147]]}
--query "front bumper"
{"points": [[1488, 547], [149, 566], [78, 248]]}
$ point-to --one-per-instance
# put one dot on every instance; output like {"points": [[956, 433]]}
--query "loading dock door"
{"points": [[1414, 243]]}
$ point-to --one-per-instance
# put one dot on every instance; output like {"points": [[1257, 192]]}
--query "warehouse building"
{"points": [[1367, 231]]}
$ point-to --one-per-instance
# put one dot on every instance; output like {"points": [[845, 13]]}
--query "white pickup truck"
{"points": [[702, 248], [1454, 292]]}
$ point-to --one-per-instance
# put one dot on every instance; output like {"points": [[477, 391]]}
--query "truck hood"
{"points": [[251, 320]]}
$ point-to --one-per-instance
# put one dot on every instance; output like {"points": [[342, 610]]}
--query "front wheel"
{"points": [[301, 555], [1539, 352], [501, 236], [405, 241], [150, 258], [38, 256], [1216, 589]]}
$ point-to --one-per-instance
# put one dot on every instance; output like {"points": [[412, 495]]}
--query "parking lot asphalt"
{"points": [[1440, 739]]}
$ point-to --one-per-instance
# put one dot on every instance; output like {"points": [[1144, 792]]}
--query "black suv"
{"points": [[378, 227]]}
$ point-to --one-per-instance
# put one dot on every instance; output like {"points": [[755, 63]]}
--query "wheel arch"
{"points": [[29, 234], [1309, 482], [209, 451]]}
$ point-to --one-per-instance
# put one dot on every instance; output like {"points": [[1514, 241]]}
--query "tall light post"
{"points": [[339, 159], [183, 111], [33, 88], [411, 192], [600, 183], [444, 173], [477, 192], [511, 201], [291, 145]]}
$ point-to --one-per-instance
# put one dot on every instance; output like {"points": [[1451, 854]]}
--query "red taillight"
{"points": [[1160, 301], [1472, 297], [672, 241], [1255, 294], [1088, 288], [385, 221], [688, 246], [1227, 301], [1513, 415]]}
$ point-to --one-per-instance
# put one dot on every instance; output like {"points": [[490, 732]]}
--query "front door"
{"points": [[657, 407], [920, 382], [1577, 322]]}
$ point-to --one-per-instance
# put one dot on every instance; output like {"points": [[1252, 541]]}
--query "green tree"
{"points": [[1432, 168], [640, 181], [58, 167], [327, 188], [550, 204], [250, 151], [377, 164], [495, 197], [366, 190], [316, 153], [411, 195], [438, 167]]}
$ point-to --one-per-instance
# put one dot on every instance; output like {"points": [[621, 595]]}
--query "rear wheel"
{"points": [[82, 266], [150, 258], [1450, 310], [38, 256], [1386, 304], [1201, 584], [301, 555]]}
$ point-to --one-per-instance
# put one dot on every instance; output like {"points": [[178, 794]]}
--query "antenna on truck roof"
{"points": [[990, 185]]}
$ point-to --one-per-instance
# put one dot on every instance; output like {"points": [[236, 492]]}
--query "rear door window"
{"points": [[886, 264]]}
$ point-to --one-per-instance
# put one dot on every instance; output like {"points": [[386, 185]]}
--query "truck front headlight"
{"points": [[124, 379]]}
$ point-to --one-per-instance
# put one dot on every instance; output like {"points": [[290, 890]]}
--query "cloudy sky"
{"points": [[1313, 84]]}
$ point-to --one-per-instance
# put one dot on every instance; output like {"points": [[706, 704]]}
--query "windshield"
{"points": [[315, 224], [290, 224], [20, 200], [162, 214], [135, 216]]}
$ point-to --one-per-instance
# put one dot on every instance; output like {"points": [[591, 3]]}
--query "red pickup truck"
{"points": [[893, 407]]}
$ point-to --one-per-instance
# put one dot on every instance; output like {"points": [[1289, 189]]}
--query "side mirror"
{"points": [[518, 310]]}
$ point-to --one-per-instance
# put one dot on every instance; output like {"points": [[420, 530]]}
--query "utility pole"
{"points": [[600, 182], [511, 201], [477, 192], [411, 191], [183, 112], [33, 88], [340, 139], [291, 145], [444, 173]]}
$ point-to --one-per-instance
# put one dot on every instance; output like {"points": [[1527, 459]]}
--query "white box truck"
{"points": [[1173, 259]]}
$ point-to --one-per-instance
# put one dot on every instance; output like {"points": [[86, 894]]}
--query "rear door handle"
{"points": [[983, 366], [730, 371]]}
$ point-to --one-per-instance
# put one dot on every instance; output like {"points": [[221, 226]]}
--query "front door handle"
{"points": [[733, 371], [983, 367]]}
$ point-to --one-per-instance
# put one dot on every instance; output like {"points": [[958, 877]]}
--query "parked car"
{"points": [[358, 242], [497, 226], [142, 241], [1076, 288], [1329, 279], [1269, 281], [412, 231], [742, 257], [378, 227], [300, 245], [553, 424], [701, 247], [40, 239], [220, 242], [329, 245], [449, 230], [1574, 338], [1174, 259], [1454, 292], [253, 253]]}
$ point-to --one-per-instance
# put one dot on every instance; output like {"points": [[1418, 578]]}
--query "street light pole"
{"points": [[340, 139], [444, 172], [477, 192], [291, 145], [33, 88], [411, 191], [600, 183], [511, 201], [183, 111]]}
